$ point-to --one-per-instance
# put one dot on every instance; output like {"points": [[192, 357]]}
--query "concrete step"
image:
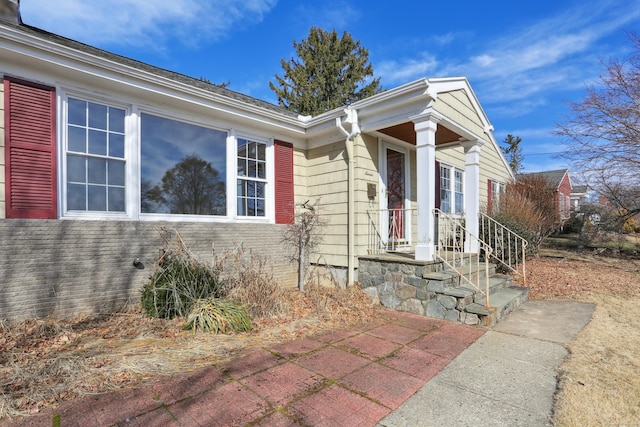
{"points": [[501, 303]]}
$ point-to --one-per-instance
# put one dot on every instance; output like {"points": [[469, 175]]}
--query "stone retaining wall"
{"points": [[401, 285]]}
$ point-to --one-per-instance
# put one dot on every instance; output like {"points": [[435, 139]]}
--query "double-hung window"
{"points": [[251, 178], [451, 190], [95, 157]]}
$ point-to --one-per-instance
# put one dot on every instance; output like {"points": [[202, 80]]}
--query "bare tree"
{"points": [[602, 132], [303, 237]]}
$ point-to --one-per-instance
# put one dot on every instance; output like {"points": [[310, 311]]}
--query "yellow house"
{"points": [[91, 144]]}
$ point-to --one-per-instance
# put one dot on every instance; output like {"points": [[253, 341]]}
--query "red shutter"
{"points": [[284, 182], [438, 200], [30, 149], [489, 197]]}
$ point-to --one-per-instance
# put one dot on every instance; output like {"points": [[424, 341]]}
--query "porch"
{"points": [[456, 285]]}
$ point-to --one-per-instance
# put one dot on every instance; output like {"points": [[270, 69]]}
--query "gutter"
{"points": [[352, 119]]}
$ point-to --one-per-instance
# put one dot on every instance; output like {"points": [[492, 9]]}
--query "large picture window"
{"points": [[95, 157], [183, 168], [252, 177]]}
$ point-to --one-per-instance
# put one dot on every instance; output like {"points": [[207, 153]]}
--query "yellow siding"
{"points": [[299, 176], [327, 172], [457, 107]]}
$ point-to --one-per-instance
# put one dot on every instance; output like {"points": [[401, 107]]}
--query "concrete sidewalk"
{"points": [[506, 378], [401, 370]]}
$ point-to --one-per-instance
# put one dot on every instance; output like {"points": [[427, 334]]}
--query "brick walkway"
{"points": [[349, 377]]}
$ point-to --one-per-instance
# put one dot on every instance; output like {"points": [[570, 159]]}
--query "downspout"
{"points": [[352, 119]]}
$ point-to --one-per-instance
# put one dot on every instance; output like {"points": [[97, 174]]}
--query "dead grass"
{"points": [[599, 384], [45, 362]]}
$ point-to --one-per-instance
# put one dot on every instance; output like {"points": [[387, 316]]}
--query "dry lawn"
{"points": [[600, 381], [45, 362]]}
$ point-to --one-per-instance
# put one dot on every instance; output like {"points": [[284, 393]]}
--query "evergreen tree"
{"points": [[329, 72], [513, 152]]}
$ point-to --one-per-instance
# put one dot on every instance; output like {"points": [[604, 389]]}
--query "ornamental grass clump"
{"points": [[217, 316], [179, 280]]}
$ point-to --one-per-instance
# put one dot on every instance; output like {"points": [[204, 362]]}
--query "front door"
{"points": [[396, 196]]}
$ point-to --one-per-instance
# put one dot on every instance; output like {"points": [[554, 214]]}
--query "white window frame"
{"points": [[269, 179], [497, 190], [452, 189], [132, 159], [63, 152]]}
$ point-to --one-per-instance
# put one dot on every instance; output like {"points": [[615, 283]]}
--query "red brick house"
{"points": [[561, 181]]}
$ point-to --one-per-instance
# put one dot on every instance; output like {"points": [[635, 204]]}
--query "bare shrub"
{"points": [[248, 280]]}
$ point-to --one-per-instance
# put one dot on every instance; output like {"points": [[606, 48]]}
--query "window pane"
{"points": [[242, 206], [76, 169], [252, 169], [77, 139], [97, 198], [262, 170], [77, 197], [192, 159], [97, 142], [260, 210], [116, 145], [97, 116], [241, 188], [242, 167], [116, 120], [116, 199], [253, 150], [262, 152], [77, 112], [260, 190], [97, 171], [116, 172]]}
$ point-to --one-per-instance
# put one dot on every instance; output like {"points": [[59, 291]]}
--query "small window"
{"points": [[451, 190], [95, 157], [251, 178]]}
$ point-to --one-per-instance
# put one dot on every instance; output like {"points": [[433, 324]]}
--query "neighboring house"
{"points": [[579, 196], [87, 137], [560, 180]]}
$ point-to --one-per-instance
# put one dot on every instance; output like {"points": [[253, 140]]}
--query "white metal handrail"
{"points": [[451, 236], [509, 248], [394, 236]]}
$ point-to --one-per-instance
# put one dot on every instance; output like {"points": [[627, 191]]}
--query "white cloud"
{"points": [[408, 69], [143, 22]]}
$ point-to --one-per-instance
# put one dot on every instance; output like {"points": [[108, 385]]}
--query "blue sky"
{"points": [[525, 60]]}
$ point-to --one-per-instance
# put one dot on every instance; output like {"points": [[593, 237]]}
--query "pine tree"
{"points": [[514, 152], [329, 72]]}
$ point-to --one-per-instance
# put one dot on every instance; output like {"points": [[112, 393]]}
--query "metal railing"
{"points": [[392, 236], [451, 235], [508, 248]]}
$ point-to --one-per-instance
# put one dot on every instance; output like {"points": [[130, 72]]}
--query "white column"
{"points": [[472, 193], [425, 127]]}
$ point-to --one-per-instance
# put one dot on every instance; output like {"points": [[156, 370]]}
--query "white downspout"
{"points": [[352, 119]]}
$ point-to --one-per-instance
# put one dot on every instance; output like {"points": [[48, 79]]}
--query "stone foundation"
{"points": [[417, 287]]}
